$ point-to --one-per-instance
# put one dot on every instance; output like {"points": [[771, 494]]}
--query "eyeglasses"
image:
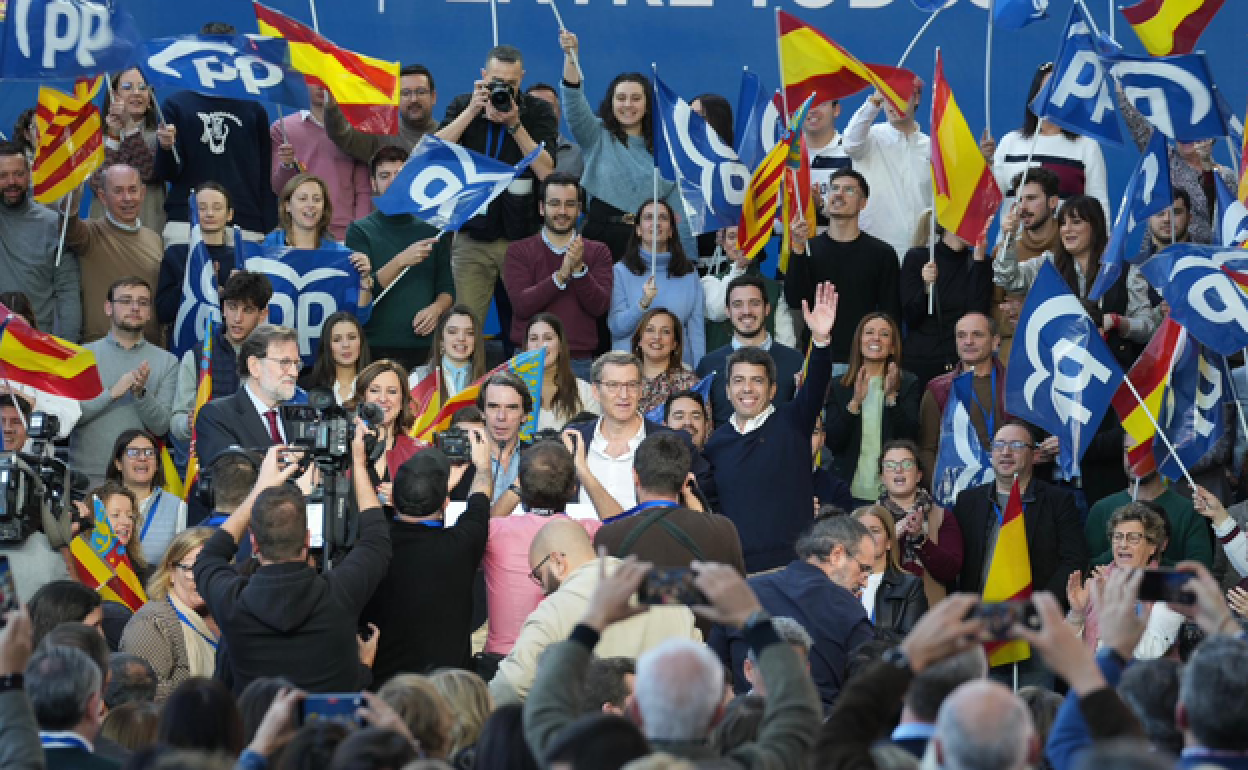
{"points": [[1130, 538], [185, 567], [612, 388], [132, 302], [1017, 446], [898, 465], [536, 574], [284, 363], [413, 93], [133, 452], [140, 87]]}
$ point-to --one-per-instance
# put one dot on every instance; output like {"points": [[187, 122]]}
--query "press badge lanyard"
{"points": [[494, 149], [653, 504], [987, 414], [187, 622], [150, 510]]}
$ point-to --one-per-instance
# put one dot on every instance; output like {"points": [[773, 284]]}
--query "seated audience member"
{"points": [[771, 442], [657, 342], [132, 726], [929, 542], [609, 684], [424, 711], [63, 601], [433, 568], [562, 559], [131, 679], [470, 704], [137, 466], [216, 213], [287, 619], [341, 355], [384, 384], [1188, 537], [749, 306], [564, 393], [680, 683], [875, 401], [65, 688], [893, 599], [686, 410], [201, 715], [456, 355], [173, 630], [820, 590], [792, 634]]}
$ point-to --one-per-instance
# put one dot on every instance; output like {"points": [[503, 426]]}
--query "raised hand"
{"points": [[568, 43], [1077, 594], [988, 146], [822, 317]]}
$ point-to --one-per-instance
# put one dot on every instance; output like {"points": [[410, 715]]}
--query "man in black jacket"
{"points": [[289, 620]]}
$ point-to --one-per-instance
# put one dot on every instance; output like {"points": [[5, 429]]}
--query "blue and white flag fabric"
{"points": [[1147, 193], [446, 185], [711, 180], [1232, 229], [1206, 288], [962, 461], [1016, 14], [65, 39], [702, 387], [1193, 414], [238, 67], [530, 366], [1175, 93], [1062, 375], [201, 300], [1078, 95], [931, 6], [760, 121]]}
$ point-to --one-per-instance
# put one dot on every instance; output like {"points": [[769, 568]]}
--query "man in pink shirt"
{"points": [[301, 144], [547, 481]]}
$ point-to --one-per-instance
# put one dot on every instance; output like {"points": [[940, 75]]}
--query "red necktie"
{"points": [[271, 418]]}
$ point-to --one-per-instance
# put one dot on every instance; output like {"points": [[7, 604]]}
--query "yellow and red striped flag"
{"points": [[797, 195], [203, 393], [1009, 576], [966, 191], [426, 402], [763, 196], [1150, 375], [1168, 27], [366, 89], [812, 62], [102, 563], [44, 362], [1242, 192], [71, 141]]}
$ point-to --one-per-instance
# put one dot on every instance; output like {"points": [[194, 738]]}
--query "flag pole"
{"points": [[1112, 10], [60, 243], [160, 116], [1091, 21], [494, 20], [654, 213], [784, 92], [931, 18], [931, 222], [403, 272], [316, 25], [1239, 405], [1234, 159], [992, 5], [559, 20], [1159, 432]]}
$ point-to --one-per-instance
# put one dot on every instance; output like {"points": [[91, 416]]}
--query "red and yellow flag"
{"points": [[1168, 27], [763, 196], [71, 142], [203, 393], [812, 62], [102, 563], [1242, 192], [426, 402], [966, 192], [1009, 576], [1150, 375], [366, 89], [44, 362], [797, 194]]}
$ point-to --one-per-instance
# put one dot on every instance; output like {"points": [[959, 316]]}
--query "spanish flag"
{"points": [[426, 402], [1009, 576], [203, 393], [1168, 27], [763, 196], [44, 362], [433, 419], [1150, 375], [71, 143], [366, 89], [812, 62], [102, 563], [966, 192]]}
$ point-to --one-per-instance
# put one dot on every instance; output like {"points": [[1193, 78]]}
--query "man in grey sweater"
{"points": [[139, 380], [29, 232]]}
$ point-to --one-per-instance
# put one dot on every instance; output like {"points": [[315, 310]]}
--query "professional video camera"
{"points": [[37, 489]]}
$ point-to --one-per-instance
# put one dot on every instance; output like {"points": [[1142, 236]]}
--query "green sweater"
{"points": [[1189, 538], [381, 238]]}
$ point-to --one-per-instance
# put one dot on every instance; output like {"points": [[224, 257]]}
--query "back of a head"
{"points": [[201, 715], [373, 748], [81, 637], [932, 685], [1043, 704], [422, 484], [468, 698], [502, 742], [313, 746], [563, 536], [983, 726], [233, 476], [279, 523], [1123, 754], [255, 700], [597, 742], [1151, 689], [606, 683], [547, 476], [740, 723], [162, 758], [679, 688], [423, 709], [662, 463], [1211, 692], [133, 726], [60, 682], [131, 679], [59, 602]]}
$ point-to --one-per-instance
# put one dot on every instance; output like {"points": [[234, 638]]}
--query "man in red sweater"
{"points": [[558, 271]]}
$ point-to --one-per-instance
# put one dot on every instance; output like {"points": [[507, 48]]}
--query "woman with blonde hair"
{"points": [[470, 703], [894, 599], [423, 709], [174, 631]]}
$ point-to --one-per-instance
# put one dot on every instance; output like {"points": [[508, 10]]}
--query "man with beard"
{"points": [[558, 271], [1165, 222], [417, 95], [1188, 532], [139, 380], [748, 309], [29, 232], [1034, 210]]}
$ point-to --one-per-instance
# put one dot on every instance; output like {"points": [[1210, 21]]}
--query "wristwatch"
{"points": [[11, 682], [756, 619], [897, 658], [512, 129]]}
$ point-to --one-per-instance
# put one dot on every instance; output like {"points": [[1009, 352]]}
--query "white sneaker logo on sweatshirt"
{"points": [[217, 130]]}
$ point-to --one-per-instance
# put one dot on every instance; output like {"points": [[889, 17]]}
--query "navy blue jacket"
{"points": [[788, 365]]}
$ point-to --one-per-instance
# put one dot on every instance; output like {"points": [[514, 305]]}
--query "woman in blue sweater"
{"points": [[672, 283], [618, 146]]}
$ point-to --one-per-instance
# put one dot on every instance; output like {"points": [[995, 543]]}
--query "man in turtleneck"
{"points": [[1034, 209]]}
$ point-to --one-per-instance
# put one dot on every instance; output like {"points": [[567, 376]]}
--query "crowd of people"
{"points": [[751, 454]]}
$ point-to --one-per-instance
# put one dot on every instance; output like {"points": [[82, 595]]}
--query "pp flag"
{"points": [[1168, 27], [1149, 377], [1193, 410], [1176, 94], [759, 121], [1016, 14], [446, 185], [1206, 291], [1009, 575], [1147, 193], [1062, 374], [201, 303], [1078, 96], [962, 461], [240, 67], [965, 189], [64, 39], [1232, 217], [687, 150]]}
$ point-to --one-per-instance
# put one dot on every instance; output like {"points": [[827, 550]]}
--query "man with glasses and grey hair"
{"points": [[65, 688], [820, 591]]}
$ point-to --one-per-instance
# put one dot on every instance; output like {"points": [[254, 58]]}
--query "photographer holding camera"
{"points": [[499, 120], [288, 619]]}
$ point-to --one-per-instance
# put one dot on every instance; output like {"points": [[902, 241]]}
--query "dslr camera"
{"points": [[455, 444], [37, 488], [502, 95], [324, 430]]}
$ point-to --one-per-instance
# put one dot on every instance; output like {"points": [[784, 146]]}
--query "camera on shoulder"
{"points": [[37, 489]]}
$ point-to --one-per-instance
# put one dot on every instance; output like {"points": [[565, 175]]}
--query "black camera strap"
{"points": [[659, 516]]}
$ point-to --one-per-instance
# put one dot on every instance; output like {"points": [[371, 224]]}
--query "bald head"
{"points": [[122, 192], [984, 726], [565, 537]]}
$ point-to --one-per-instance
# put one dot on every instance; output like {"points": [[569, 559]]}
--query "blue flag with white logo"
{"points": [[759, 122], [1175, 93], [1207, 290], [1062, 376], [711, 180], [200, 298], [1078, 95], [1193, 414], [1147, 193], [446, 185], [1232, 216], [931, 6], [962, 461], [64, 39], [1016, 14], [239, 67], [702, 387]]}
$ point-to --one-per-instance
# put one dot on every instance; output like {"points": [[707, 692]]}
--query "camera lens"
{"points": [[500, 97]]}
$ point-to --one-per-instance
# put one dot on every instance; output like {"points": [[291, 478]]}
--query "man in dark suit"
{"points": [[748, 310], [66, 689]]}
